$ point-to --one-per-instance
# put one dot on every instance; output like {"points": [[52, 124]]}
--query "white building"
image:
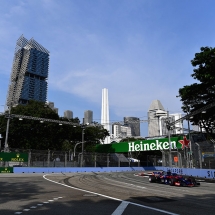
{"points": [[68, 114], [121, 131]]}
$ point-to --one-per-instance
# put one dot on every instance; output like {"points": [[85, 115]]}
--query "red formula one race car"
{"points": [[173, 179]]}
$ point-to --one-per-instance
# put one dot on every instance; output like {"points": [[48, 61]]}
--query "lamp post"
{"points": [[191, 153], [7, 130], [82, 141], [0, 142], [170, 147], [200, 157], [82, 146]]}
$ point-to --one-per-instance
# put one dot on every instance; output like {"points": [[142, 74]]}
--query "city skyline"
{"points": [[139, 51]]}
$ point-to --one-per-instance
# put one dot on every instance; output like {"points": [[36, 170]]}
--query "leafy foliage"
{"points": [[32, 134], [202, 93]]}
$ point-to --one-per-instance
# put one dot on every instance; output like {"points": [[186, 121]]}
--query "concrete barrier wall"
{"points": [[76, 169], [203, 173]]}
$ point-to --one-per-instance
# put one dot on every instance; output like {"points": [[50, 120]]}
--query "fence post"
{"points": [[48, 160], [107, 160], [118, 162], [65, 162], [79, 160], [29, 158], [95, 160]]}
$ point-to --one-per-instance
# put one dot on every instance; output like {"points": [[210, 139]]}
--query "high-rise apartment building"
{"points": [[68, 114], [51, 105], [88, 116], [29, 73], [134, 124], [121, 131]]}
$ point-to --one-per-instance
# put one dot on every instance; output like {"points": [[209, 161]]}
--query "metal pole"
{"points": [[95, 160], [107, 160], [48, 159], [7, 131], [191, 153], [170, 147], [200, 157], [82, 154], [29, 158], [75, 147], [65, 160]]}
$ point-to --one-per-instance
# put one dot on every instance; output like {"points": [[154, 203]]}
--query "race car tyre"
{"points": [[158, 179], [183, 184], [172, 181], [162, 180], [193, 180], [152, 179]]}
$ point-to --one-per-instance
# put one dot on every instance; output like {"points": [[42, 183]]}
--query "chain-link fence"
{"points": [[201, 156], [49, 158]]}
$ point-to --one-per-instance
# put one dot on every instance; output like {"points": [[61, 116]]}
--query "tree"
{"points": [[32, 134], [202, 93]]}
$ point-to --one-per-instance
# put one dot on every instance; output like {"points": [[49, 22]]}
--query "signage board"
{"points": [[175, 159], [143, 145], [6, 169], [208, 154], [13, 156]]}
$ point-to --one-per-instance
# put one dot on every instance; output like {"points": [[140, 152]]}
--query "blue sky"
{"points": [[139, 49]]}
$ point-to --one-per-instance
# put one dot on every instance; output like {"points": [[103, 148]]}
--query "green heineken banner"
{"points": [[13, 156], [6, 169], [144, 145]]}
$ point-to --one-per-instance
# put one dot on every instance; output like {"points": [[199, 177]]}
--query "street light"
{"points": [[7, 130], [170, 147], [200, 157], [0, 142], [82, 151]]}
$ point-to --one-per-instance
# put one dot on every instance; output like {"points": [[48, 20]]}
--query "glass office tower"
{"points": [[29, 73]]}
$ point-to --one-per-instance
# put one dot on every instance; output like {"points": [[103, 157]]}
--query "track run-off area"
{"points": [[96, 193]]}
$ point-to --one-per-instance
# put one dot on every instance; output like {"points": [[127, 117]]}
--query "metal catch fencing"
{"points": [[202, 156], [49, 158]]}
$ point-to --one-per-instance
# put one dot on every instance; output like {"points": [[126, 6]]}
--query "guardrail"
{"points": [[201, 173]]}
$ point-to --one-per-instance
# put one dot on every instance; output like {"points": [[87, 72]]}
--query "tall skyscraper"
{"points": [[68, 114], [105, 113], [134, 124], [29, 73], [88, 116]]}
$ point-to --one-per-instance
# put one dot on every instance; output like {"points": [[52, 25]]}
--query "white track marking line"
{"points": [[26, 210], [39, 204], [18, 213], [120, 209], [109, 197], [33, 207]]}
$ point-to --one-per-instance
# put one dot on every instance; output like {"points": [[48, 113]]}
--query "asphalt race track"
{"points": [[100, 194]]}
